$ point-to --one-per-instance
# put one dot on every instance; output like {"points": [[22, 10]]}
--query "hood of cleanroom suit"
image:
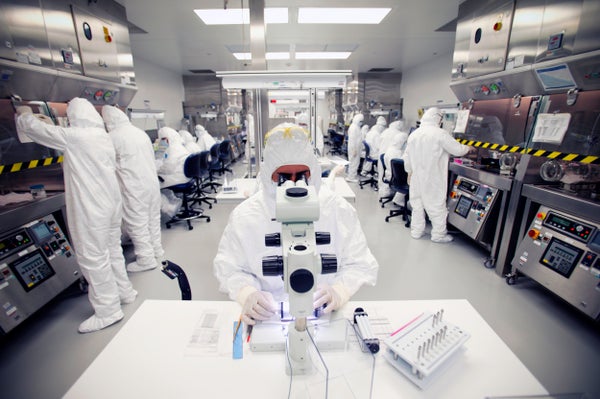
{"points": [[287, 144], [189, 142], [205, 140], [171, 169], [238, 263], [136, 171], [394, 129], [93, 199], [426, 157]]}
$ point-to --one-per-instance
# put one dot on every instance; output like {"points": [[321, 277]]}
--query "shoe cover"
{"points": [[129, 298], [443, 239], [350, 180], [96, 323], [416, 236], [134, 267]]}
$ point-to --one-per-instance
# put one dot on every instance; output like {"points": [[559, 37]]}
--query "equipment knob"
{"points": [[534, 234], [273, 240], [328, 263], [322, 238], [272, 265]]}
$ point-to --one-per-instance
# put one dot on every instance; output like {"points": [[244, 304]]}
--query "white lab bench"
{"points": [[167, 349], [247, 187]]}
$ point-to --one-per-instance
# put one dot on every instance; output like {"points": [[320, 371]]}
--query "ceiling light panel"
{"points": [[338, 15], [238, 16], [268, 56], [323, 55]]}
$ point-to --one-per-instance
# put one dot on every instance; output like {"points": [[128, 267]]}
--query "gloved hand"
{"points": [[332, 296], [256, 305]]}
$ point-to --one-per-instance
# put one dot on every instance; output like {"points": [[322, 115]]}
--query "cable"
{"points": [[322, 361], [287, 356]]}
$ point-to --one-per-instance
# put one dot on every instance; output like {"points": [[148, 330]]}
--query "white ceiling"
{"points": [[178, 40]]}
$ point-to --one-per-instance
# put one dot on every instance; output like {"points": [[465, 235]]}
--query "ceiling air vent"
{"points": [[380, 69], [202, 71]]}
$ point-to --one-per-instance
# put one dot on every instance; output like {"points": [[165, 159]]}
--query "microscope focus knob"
{"points": [[328, 263], [322, 238], [273, 240], [272, 265]]}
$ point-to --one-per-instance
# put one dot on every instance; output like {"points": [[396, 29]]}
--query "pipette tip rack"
{"points": [[424, 346]]}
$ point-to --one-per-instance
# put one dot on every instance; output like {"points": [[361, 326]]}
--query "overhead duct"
{"points": [[525, 48]]}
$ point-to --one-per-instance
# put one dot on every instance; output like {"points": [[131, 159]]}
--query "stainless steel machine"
{"points": [[53, 51], [562, 253], [516, 63], [36, 258]]}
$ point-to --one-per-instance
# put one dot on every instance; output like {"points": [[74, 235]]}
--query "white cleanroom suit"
{"points": [[140, 190], [373, 137], [93, 202], [426, 157], [238, 264], [394, 140], [170, 168], [189, 142], [205, 140], [354, 146], [394, 151]]}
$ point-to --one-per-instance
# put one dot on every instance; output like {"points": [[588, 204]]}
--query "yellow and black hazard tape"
{"points": [[588, 159], [34, 163]]}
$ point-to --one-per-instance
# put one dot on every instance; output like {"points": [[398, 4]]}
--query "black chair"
{"points": [[203, 181], [399, 184], [336, 140], [371, 167], [388, 198], [225, 155], [187, 213], [215, 162]]}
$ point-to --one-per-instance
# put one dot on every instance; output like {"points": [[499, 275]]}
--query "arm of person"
{"points": [[356, 264], [42, 133], [453, 147]]}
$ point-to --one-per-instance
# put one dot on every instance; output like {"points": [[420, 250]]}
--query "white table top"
{"points": [[169, 350], [247, 187]]}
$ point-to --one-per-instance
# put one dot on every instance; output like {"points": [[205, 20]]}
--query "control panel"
{"points": [[561, 252], [36, 264], [470, 205]]}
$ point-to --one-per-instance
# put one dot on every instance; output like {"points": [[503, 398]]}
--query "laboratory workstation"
{"points": [[301, 199]]}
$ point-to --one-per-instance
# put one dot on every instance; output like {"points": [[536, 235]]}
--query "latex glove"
{"points": [[332, 296], [408, 178], [256, 305]]}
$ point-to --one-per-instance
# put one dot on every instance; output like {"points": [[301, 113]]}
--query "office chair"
{"points": [[387, 198], [203, 182], [191, 168], [214, 166], [336, 141], [371, 176], [399, 184], [225, 155]]}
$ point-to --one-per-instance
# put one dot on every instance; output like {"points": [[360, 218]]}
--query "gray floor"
{"points": [[561, 347]]}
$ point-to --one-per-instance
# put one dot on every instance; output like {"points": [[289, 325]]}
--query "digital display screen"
{"points": [[558, 221], [561, 257], [467, 186], [32, 269], [40, 232], [463, 206]]}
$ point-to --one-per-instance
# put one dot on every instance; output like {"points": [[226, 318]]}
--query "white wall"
{"points": [[164, 91], [427, 85]]}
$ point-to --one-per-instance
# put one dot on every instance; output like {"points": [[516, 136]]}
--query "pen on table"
{"points": [[238, 327], [249, 333]]}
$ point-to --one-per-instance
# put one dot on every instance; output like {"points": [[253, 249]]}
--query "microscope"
{"points": [[297, 207]]}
